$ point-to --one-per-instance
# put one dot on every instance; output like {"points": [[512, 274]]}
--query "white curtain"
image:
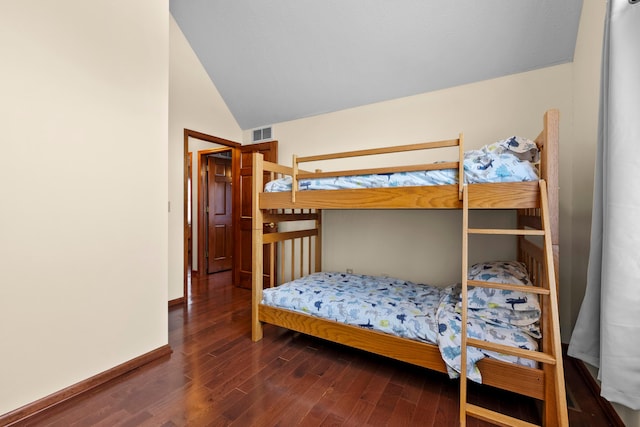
{"points": [[607, 332]]}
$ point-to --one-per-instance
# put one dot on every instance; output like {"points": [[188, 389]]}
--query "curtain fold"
{"points": [[607, 331]]}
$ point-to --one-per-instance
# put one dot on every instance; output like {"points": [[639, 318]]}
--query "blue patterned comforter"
{"points": [[509, 160], [388, 305], [420, 312]]}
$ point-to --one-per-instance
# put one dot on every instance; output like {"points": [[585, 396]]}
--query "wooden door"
{"points": [[219, 243], [242, 266]]}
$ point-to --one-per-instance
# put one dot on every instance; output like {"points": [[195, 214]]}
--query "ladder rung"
{"points": [[509, 287], [508, 231], [496, 417], [538, 356]]}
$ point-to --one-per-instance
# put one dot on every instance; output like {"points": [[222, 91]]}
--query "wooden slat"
{"points": [[309, 252], [281, 264], [373, 171], [280, 217], [511, 232], [293, 259], [318, 248], [301, 257], [288, 235], [272, 266], [383, 150], [509, 287], [484, 196], [496, 417], [277, 168], [513, 351]]}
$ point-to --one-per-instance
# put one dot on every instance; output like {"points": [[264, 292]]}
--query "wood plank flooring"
{"points": [[217, 376]]}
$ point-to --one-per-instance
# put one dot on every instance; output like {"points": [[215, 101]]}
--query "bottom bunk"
{"points": [[421, 312], [416, 323]]}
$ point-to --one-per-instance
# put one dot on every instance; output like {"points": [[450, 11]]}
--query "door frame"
{"points": [[235, 174]]}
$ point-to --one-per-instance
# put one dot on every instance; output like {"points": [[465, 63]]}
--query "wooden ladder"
{"points": [[555, 404]]}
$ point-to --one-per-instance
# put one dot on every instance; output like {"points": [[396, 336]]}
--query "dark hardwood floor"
{"points": [[217, 376]]}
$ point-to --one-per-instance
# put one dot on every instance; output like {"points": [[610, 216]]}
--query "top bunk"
{"points": [[482, 195]]}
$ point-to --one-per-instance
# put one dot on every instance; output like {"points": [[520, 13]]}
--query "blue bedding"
{"points": [[509, 160], [416, 311]]}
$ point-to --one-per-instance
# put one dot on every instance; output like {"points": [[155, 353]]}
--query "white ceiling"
{"points": [[280, 60]]}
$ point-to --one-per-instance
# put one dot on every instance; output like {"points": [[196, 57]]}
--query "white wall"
{"points": [[83, 187], [194, 103]]}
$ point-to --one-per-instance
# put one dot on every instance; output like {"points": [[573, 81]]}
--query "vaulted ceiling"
{"points": [[280, 60]]}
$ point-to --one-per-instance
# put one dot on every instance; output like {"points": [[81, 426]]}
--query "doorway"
{"points": [[220, 194]]}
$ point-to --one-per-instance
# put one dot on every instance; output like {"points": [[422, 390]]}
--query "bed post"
{"points": [[294, 178], [318, 249], [460, 164], [549, 172], [257, 267]]}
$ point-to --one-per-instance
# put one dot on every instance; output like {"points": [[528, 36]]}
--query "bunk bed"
{"points": [[287, 223]]}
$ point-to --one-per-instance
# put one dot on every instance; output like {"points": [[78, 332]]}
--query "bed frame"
{"points": [[298, 253]]}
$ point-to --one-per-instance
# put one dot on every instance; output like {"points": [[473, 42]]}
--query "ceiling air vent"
{"points": [[262, 134]]}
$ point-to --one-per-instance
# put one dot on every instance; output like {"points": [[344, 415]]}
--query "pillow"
{"points": [[481, 166], [501, 272], [523, 148], [526, 321]]}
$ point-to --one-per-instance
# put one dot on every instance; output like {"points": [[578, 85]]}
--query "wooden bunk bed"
{"points": [[536, 204]]}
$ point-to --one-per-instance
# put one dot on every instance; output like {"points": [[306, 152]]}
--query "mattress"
{"points": [[509, 160], [415, 311]]}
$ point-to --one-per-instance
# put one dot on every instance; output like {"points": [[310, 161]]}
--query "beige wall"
{"points": [[83, 179], [586, 89], [194, 103]]}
